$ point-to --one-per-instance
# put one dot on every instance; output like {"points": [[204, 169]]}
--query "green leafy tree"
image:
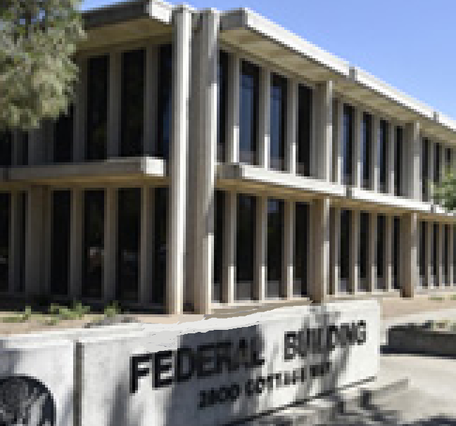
{"points": [[445, 192], [37, 70]]}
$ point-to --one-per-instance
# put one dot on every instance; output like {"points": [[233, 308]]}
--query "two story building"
{"points": [[215, 159]]}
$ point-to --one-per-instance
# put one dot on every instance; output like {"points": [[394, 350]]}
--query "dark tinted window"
{"points": [[383, 154], [363, 251], [274, 247], [132, 117], [301, 249], [304, 130], [278, 121], [446, 254], [344, 252], [347, 145], [398, 162], [380, 252], [97, 107], [434, 253], [5, 148], [63, 137], [160, 245], [422, 258], [425, 169], [218, 244], [165, 74], [366, 147], [5, 205], [437, 162], [23, 148], [396, 252], [222, 108]]}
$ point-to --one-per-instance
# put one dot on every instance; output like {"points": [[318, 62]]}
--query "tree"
{"points": [[37, 70], [445, 192]]}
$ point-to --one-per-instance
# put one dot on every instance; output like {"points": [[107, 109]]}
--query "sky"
{"points": [[409, 44]]}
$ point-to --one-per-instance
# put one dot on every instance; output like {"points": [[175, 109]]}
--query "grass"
{"points": [[20, 318], [437, 298], [112, 310], [75, 312], [453, 297]]}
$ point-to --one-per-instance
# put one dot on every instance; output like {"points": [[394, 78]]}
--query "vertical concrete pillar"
{"points": [[338, 142], [409, 267], [335, 250], [34, 253], [259, 287], [375, 170], [80, 112], [292, 127], [391, 172], [412, 149], [114, 106], [357, 141], [76, 242], [232, 154], [320, 229], [204, 232], [151, 100], [178, 160], [288, 249], [264, 138], [146, 245], [229, 262], [110, 245], [324, 105], [388, 252], [372, 255], [354, 252]]}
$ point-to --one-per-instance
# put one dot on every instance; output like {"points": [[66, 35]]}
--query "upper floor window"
{"points": [[6, 143], [132, 103], [347, 145], [165, 72], [437, 162], [248, 120], [97, 107], [383, 155], [448, 160], [366, 146], [425, 169], [304, 129], [278, 121], [222, 104], [398, 162], [63, 137]]}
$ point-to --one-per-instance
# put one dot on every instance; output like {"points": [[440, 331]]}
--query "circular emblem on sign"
{"points": [[25, 401]]}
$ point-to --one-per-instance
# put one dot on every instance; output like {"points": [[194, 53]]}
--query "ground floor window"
{"points": [[218, 245], [435, 254], [344, 250], [22, 218], [160, 245], [396, 252], [380, 252], [275, 221], [5, 220], [363, 255], [60, 242], [446, 254], [301, 249], [128, 243], [93, 243], [422, 253], [245, 253]]}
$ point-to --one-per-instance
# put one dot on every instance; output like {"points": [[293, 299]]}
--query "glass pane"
{"points": [[218, 244], [160, 245], [383, 154], [435, 254], [301, 249], [274, 247], [380, 252], [5, 206], [165, 74], [396, 252], [366, 150], [23, 148], [422, 259], [222, 107], [63, 137], [364, 238], [344, 252], [398, 162], [304, 130], [5, 148], [437, 162], [425, 169], [278, 121], [347, 145]]}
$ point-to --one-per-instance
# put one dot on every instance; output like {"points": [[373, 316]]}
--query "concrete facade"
{"points": [[338, 187]]}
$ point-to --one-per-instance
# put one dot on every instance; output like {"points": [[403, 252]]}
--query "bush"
{"points": [[112, 310]]}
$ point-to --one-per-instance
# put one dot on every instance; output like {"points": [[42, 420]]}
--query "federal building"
{"points": [[214, 159]]}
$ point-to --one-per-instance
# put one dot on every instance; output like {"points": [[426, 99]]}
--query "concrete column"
{"points": [[229, 270], [409, 266], [324, 95], [114, 105], [76, 242], [178, 160], [357, 141], [428, 254], [151, 100], [259, 286], [110, 245], [80, 112], [412, 148], [388, 252], [146, 245], [264, 138], [338, 142], [232, 154], [372, 255], [292, 127], [335, 251], [440, 241], [204, 232], [354, 251], [320, 228], [391, 157], [34, 253], [450, 255], [375, 170], [288, 249]]}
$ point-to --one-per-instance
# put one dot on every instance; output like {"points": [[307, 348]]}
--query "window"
{"points": [[164, 111], [396, 252], [363, 254], [435, 253], [160, 245], [246, 211], [301, 249], [422, 258], [248, 120], [274, 247], [366, 147], [222, 107], [448, 160], [63, 137], [93, 243], [425, 169], [22, 218], [437, 162], [218, 244], [380, 252], [344, 249], [347, 145], [23, 148], [6, 148], [304, 130], [60, 242], [132, 102], [128, 242], [5, 219], [383, 155], [446, 254], [398, 162], [97, 107], [278, 121]]}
